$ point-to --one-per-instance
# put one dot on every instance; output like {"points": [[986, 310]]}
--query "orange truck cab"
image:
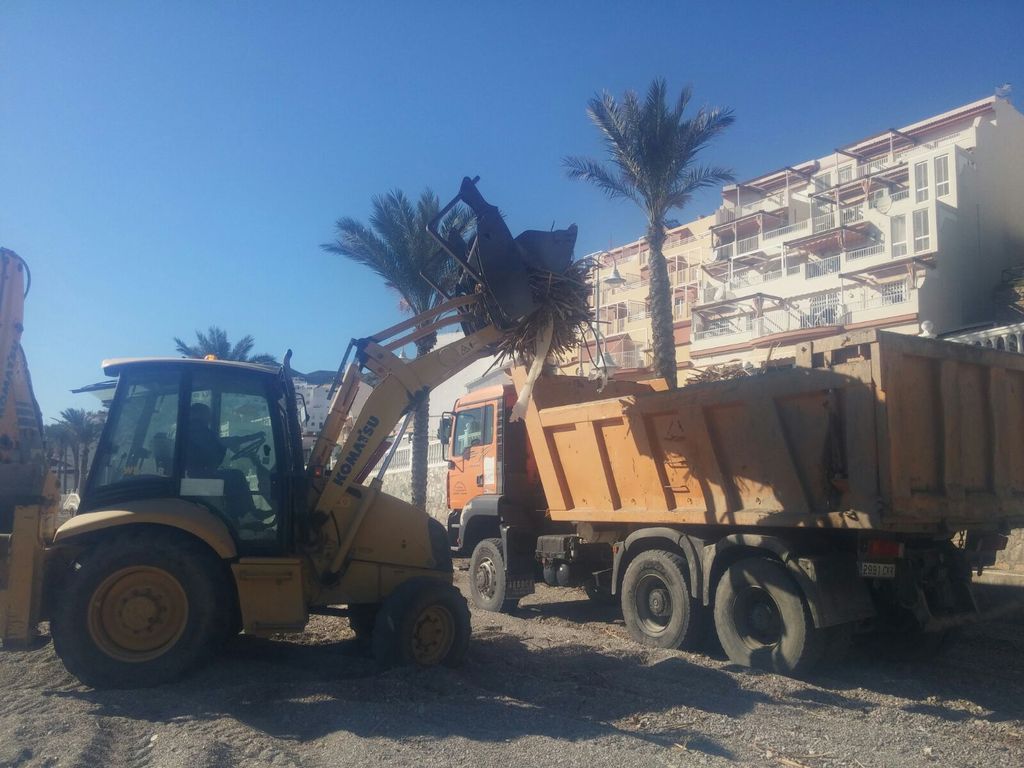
{"points": [[492, 474]]}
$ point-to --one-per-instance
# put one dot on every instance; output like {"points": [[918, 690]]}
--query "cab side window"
{"points": [[230, 452]]}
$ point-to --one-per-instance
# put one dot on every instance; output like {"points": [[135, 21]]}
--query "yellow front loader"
{"points": [[200, 518]]}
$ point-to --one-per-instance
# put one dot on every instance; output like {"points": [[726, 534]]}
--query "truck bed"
{"points": [[869, 430]]}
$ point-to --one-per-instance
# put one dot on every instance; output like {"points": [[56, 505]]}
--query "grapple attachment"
{"points": [[498, 265]]}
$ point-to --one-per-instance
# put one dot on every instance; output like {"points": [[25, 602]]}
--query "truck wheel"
{"points": [[141, 610], [423, 622], [763, 620], [361, 620], [656, 602], [487, 578]]}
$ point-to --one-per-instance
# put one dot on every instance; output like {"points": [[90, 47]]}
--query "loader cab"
{"points": [[221, 435]]}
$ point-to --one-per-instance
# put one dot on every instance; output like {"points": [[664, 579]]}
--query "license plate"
{"points": [[878, 570]]}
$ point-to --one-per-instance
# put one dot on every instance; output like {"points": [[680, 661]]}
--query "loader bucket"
{"points": [[498, 265]]}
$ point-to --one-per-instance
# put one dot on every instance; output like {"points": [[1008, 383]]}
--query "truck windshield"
{"points": [[473, 427]]}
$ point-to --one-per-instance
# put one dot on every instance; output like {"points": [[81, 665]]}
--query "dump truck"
{"points": [[856, 490], [199, 519]]}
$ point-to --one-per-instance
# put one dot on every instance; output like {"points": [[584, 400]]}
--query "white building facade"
{"points": [[909, 225]]}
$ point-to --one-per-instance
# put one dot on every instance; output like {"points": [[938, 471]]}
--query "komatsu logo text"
{"points": [[347, 463]]}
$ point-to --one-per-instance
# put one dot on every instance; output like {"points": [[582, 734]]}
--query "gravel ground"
{"points": [[559, 684]]}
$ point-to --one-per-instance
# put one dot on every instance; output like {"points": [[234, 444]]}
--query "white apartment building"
{"points": [[622, 284], [908, 225]]}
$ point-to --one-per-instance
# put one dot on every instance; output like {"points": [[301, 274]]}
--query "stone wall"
{"points": [[1012, 558], [399, 483]]}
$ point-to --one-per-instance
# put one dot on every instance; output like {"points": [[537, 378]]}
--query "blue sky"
{"points": [[168, 166]]}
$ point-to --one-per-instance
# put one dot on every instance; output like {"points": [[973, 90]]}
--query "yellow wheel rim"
{"points": [[433, 635], [137, 613]]}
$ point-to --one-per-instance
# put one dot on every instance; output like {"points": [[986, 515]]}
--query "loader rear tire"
{"points": [[487, 578], [656, 602], [141, 609], [763, 620], [423, 622]]}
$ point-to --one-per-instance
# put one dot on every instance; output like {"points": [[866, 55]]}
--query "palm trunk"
{"points": [[85, 463], [75, 455], [420, 436], [660, 300]]}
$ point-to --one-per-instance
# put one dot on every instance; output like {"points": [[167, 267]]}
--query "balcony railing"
{"points": [[754, 277], [827, 266], [903, 194], [713, 329], [884, 295], [768, 203], [823, 222], [851, 214], [798, 226], [746, 245], [628, 357], [637, 314], [863, 253]]}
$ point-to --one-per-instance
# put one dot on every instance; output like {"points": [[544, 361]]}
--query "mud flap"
{"points": [[519, 547]]}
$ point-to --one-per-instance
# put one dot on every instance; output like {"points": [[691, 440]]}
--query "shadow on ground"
{"points": [[505, 690]]}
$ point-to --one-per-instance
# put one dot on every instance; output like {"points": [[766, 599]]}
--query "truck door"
{"points": [[473, 458]]}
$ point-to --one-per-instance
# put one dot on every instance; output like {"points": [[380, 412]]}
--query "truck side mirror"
{"points": [[444, 431]]}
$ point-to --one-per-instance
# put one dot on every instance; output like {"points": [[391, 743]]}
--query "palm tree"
{"points": [[215, 342], [82, 429], [58, 444], [651, 151], [397, 247]]}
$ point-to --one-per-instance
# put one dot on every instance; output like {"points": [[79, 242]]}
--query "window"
{"points": [[920, 182], [679, 307], [899, 236], [140, 441], [823, 181], [921, 239], [893, 293], [230, 452], [845, 173], [941, 175], [473, 427]]}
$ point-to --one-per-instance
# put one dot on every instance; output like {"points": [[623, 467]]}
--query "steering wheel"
{"points": [[248, 445]]}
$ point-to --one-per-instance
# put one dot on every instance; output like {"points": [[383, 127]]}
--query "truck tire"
{"points": [[361, 620], [142, 609], [487, 578], [656, 602], [762, 619], [424, 622]]}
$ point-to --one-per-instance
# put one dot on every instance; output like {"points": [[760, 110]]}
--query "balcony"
{"points": [[724, 252], [823, 222], [768, 203], [747, 245], [822, 267], [721, 327], [789, 229], [816, 311], [628, 358], [867, 252]]}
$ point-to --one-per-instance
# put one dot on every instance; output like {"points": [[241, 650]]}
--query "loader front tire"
{"points": [[423, 622], [141, 609]]}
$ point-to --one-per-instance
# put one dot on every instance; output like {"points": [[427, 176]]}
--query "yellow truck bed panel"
{"points": [[872, 430]]}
